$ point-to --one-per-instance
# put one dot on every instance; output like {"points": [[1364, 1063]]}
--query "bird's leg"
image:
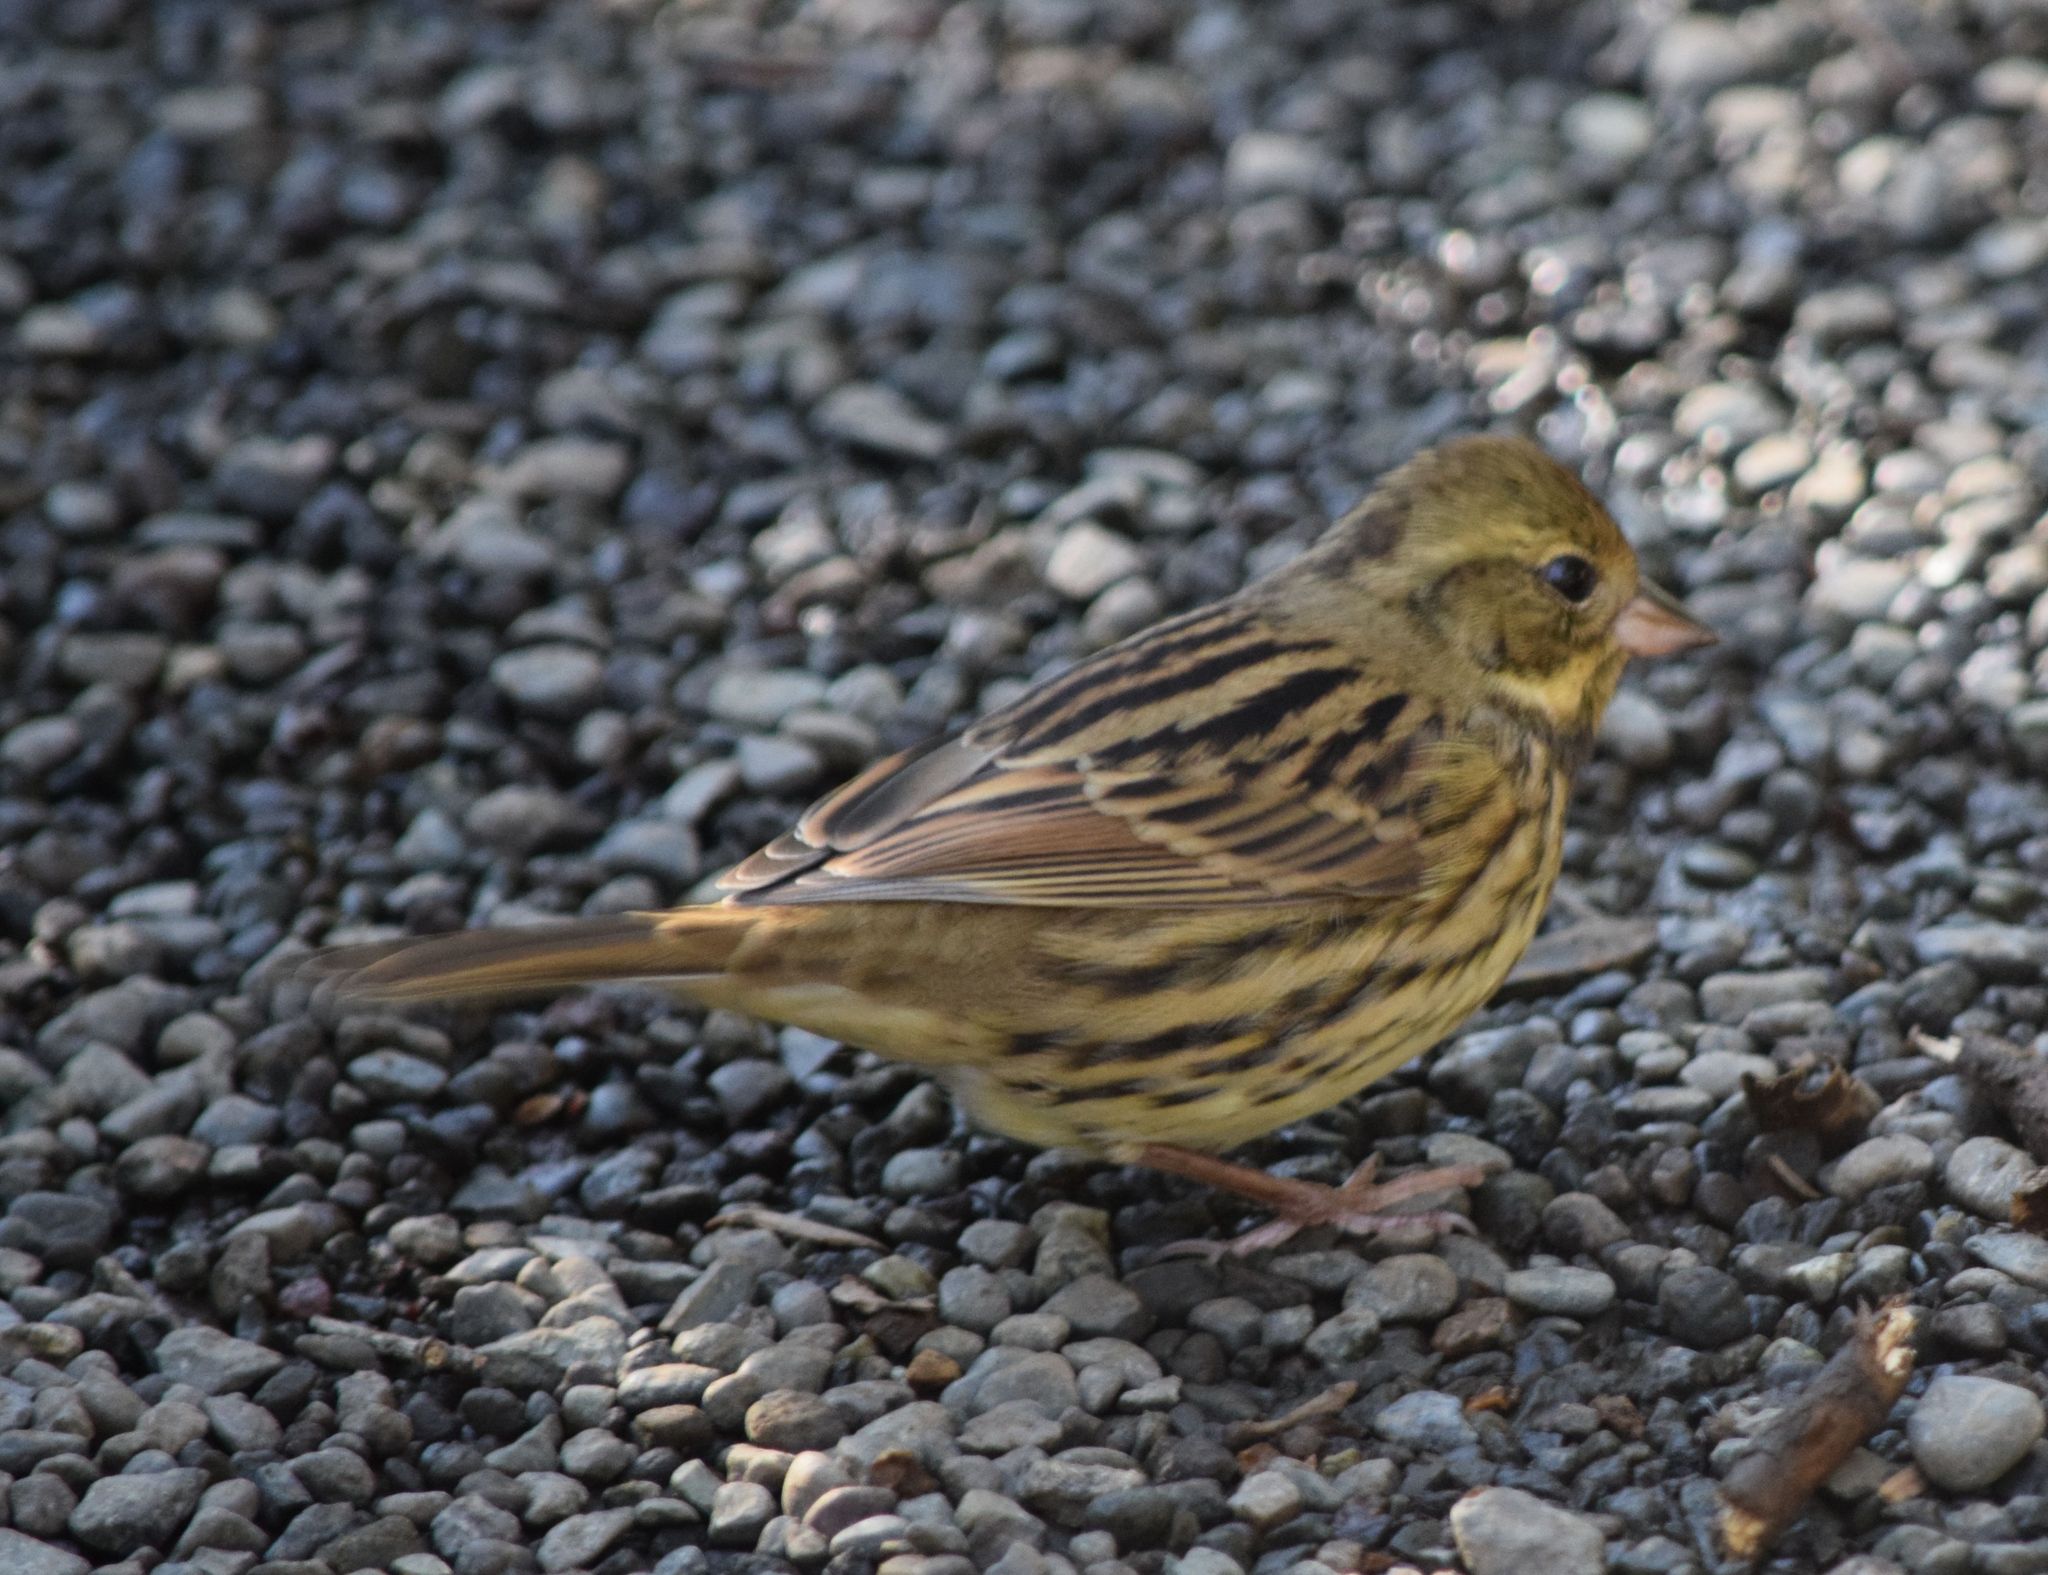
{"points": [[1358, 1207]]}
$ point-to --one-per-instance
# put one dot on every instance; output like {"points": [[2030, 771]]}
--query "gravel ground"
{"points": [[472, 461]]}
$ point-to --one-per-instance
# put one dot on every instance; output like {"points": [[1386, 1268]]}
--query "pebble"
{"points": [[119, 1515], [1702, 1307], [1561, 1290], [1266, 1499], [1504, 1531], [874, 416], [1967, 1432], [1426, 1420], [1890, 1160], [552, 680], [212, 1362], [1984, 1172], [1408, 1288], [32, 1555]]}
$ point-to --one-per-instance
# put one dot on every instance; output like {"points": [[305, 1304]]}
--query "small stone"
{"points": [[395, 1076], [1096, 1305], [791, 1420], [586, 469], [2018, 1253], [522, 819], [1350, 1336], [2006, 952], [1266, 1499], [212, 1362], [160, 1167], [1561, 1290], [1984, 1172], [748, 1088], [1087, 560], [26, 1555], [874, 416], [1505, 1531], [1774, 460], [922, 1173], [1427, 1420], [1703, 1307], [1693, 54], [119, 1515], [1888, 1160], [1272, 163], [1637, 730], [559, 680], [1412, 1287], [579, 1542], [1611, 128], [738, 1512], [1968, 1432]]}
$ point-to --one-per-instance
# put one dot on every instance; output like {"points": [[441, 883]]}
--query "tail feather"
{"points": [[502, 964]]}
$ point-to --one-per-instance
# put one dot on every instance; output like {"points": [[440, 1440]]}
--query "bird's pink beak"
{"points": [[1653, 624]]}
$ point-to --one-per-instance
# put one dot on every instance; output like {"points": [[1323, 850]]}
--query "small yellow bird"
{"points": [[1208, 881]]}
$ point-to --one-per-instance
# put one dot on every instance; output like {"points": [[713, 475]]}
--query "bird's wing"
{"points": [[1209, 761]]}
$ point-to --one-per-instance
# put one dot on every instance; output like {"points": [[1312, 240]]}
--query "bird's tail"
{"points": [[483, 965]]}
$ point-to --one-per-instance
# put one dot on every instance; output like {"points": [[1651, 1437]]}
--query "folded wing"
{"points": [[1209, 761]]}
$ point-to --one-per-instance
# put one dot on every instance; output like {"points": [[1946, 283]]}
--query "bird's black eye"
{"points": [[1571, 576]]}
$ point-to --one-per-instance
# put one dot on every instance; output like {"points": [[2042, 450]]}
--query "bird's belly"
{"points": [[1320, 1024]]}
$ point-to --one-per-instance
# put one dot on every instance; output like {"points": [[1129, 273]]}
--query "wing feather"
{"points": [[1209, 761]]}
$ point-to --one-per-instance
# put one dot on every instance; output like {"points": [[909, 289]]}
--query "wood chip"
{"points": [[1618, 1414], [1836, 1109], [2030, 1203], [2007, 1079], [1905, 1483], [1807, 1441]]}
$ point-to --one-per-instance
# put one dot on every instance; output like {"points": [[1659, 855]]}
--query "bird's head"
{"points": [[1499, 561]]}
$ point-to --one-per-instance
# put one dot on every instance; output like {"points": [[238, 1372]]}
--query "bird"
{"points": [[1207, 881]]}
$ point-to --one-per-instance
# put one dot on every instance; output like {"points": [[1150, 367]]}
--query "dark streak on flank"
{"points": [[1244, 1061]]}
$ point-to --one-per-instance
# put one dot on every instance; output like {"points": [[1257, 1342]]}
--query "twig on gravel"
{"points": [[794, 1226], [1314, 1409], [423, 1352], [1810, 1438]]}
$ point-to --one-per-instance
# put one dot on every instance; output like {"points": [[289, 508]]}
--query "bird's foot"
{"points": [[1362, 1206]]}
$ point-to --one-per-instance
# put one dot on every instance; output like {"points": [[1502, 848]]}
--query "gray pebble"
{"points": [[1412, 1287], [1561, 1290], [1504, 1531], [119, 1515], [1425, 1420], [1984, 1172], [1885, 1161], [212, 1362], [1968, 1432]]}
